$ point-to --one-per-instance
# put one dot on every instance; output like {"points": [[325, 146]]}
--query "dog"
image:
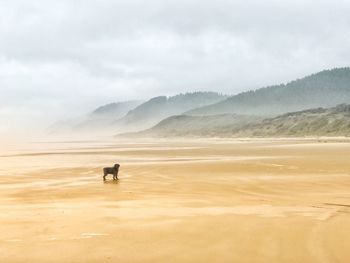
{"points": [[111, 170]]}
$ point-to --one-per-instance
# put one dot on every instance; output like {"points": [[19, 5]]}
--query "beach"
{"points": [[176, 200]]}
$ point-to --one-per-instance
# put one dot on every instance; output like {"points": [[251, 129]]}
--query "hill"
{"points": [[200, 126], [314, 122], [159, 108], [105, 115], [324, 89]]}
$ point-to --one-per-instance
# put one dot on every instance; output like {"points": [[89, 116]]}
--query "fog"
{"points": [[61, 59]]}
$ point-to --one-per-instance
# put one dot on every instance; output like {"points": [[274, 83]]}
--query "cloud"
{"points": [[62, 58]]}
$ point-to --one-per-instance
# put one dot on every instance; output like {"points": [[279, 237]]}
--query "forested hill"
{"points": [[158, 108], [325, 89], [201, 126], [333, 121]]}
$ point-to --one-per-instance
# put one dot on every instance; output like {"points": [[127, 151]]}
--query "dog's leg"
{"points": [[104, 176]]}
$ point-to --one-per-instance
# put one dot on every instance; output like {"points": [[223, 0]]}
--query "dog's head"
{"points": [[116, 166]]}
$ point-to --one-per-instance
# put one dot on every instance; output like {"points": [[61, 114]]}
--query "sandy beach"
{"points": [[261, 200]]}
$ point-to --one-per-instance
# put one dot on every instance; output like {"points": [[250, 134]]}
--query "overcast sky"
{"points": [[63, 58]]}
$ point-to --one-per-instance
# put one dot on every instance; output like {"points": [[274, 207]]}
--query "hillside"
{"points": [[201, 126], [324, 89], [314, 122], [159, 108]]}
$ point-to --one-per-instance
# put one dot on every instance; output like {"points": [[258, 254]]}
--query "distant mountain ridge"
{"points": [[327, 88], [134, 115]]}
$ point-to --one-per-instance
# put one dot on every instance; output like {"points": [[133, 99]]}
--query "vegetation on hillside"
{"points": [[314, 122], [324, 89]]}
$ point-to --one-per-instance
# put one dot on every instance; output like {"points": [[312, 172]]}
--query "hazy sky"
{"points": [[63, 58]]}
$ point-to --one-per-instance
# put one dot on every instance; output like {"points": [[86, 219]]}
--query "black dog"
{"points": [[111, 170]]}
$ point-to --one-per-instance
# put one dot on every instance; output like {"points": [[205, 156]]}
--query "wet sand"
{"points": [[285, 200]]}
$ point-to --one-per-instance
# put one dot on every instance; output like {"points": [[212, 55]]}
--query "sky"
{"points": [[61, 59]]}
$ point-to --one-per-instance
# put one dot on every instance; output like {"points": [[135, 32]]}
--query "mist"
{"points": [[62, 59]]}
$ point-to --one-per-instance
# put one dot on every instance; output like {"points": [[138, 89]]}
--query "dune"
{"points": [[181, 200]]}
